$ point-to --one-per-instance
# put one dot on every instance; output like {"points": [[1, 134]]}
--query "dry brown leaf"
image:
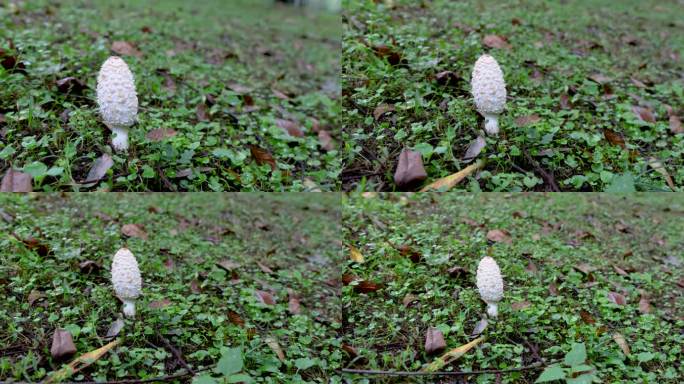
{"points": [[587, 317], [527, 120], [410, 169], [70, 85], [195, 287], [158, 304], [228, 265], [658, 167], [201, 112], [585, 268], [446, 183], [89, 266], [676, 125], [160, 134], [62, 344], [264, 268], [34, 296], [622, 343], [620, 271], [434, 341], [265, 297], [326, 140], [382, 109], [520, 305], [293, 304], [480, 327], [291, 127], [408, 299], [262, 156], [565, 101], [134, 230], [239, 88], [474, 149], [617, 298], [99, 169], [235, 318], [644, 114], [275, 347], [495, 41], [600, 78], [126, 49], [614, 138], [15, 181], [644, 305], [553, 289], [499, 236]]}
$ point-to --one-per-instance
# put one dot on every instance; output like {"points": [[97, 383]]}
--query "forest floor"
{"points": [[242, 287], [237, 95], [595, 93], [593, 281]]}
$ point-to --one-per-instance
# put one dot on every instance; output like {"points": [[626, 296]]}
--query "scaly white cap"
{"points": [[490, 284], [117, 99], [126, 279], [489, 91]]}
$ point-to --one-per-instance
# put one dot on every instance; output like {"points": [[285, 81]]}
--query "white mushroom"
{"points": [[126, 279], [489, 91], [490, 284], [117, 100]]}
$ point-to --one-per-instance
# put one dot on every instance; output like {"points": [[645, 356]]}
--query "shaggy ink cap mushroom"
{"points": [[117, 100], [126, 279], [490, 284], [489, 91]]}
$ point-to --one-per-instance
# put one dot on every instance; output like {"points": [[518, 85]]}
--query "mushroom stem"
{"points": [[492, 310], [129, 308], [119, 138], [491, 124]]}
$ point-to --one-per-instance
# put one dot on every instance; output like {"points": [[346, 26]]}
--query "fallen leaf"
{"points": [[474, 149], [446, 78], [15, 181], [228, 265], [448, 182], [620, 271], [586, 317], [34, 244], [617, 298], [658, 167], [434, 341], [235, 318], [532, 267], [293, 304], [457, 271], [480, 327], [644, 305], [355, 255], [326, 140], [614, 138], [495, 41], [169, 264], [160, 134], [134, 230], [262, 156], [622, 343], [125, 48], [644, 114], [115, 328], [499, 236], [393, 56], [195, 287], [520, 305], [350, 350], [584, 268], [239, 88], [553, 289], [365, 286], [146, 29], [62, 344], [264, 268], [382, 109], [599, 78], [99, 169], [451, 356], [410, 169], [527, 120], [275, 347], [265, 297], [201, 112], [34, 296], [676, 125], [80, 363], [565, 101], [70, 85], [290, 127], [158, 304], [280, 95], [408, 299]]}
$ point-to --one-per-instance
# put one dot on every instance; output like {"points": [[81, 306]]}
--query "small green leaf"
{"points": [[230, 362], [582, 379], [621, 184], [304, 363], [645, 356], [551, 373], [577, 355], [240, 378], [204, 379]]}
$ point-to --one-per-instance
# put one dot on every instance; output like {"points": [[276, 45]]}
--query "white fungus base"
{"points": [[119, 139]]}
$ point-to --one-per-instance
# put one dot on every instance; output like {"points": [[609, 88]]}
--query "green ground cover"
{"points": [[234, 95], [55, 257], [578, 269], [595, 92]]}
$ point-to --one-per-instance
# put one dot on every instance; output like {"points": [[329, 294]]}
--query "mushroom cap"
{"points": [[116, 95], [126, 275], [489, 280], [488, 86]]}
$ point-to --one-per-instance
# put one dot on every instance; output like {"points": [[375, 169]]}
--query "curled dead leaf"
{"points": [[160, 134], [499, 236], [134, 230], [496, 41], [410, 169], [617, 298], [381, 109], [290, 127], [434, 341], [125, 48], [644, 114], [62, 344], [474, 149], [262, 156], [265, 297], [527, 120], [15, 181]]}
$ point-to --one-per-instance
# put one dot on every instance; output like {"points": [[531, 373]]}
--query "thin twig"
{"points": [[176, 353], [455, 373], [138, 381]]}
